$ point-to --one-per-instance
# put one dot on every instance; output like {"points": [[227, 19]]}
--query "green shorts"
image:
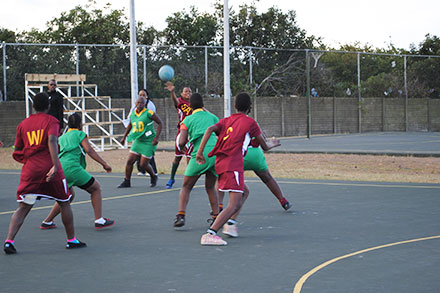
{"points": [[255, 160], [143, 147], [194, 169], [76, 175]]}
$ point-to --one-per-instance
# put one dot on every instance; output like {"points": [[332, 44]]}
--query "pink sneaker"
{"points": [[230, 230], [209, 239]]}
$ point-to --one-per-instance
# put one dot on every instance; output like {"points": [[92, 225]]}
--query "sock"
{"points": [[214, 217], [9, 241], [48, 223], [73, 240], [174, 170], [181, 213], [100, 221], [220, 207], [283, 201], [153, 165], [232, 222], [212, 231]]}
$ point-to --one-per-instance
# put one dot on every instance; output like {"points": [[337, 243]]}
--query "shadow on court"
{"points": [[144, 253]]}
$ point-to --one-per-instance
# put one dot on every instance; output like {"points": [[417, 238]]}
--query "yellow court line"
{"points": [[108, 198], [303, 279], [361, 184]]}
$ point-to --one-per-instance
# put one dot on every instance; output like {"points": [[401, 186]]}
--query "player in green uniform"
{"points": [[141, 132], [74, 144], [194, 127]]}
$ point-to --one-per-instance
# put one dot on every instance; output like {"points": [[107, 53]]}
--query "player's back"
{"points": [[33, 132], [234, 136], [32, 144], [197, 123]]}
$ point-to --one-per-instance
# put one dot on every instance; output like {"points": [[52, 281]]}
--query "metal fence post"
{"points": [[406, 93], [206, 70], [359, 92], [309, 108], [77, 67], [250, 68], [144, 48], [5, 97]]}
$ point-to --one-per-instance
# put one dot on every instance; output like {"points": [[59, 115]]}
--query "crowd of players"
{"points": [[221, 149]]}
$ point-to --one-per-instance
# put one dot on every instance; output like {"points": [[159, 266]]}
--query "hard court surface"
{"points": [[338, 237]]}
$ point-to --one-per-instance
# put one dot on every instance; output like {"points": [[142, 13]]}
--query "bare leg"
{"points": [[56, 208], [245, 196], [17, 219], [187, 186], [145, 165], [129, 165], [234, 204], [67, 217], [210, 186], [177, 160], [270, 182], [96, 199]]}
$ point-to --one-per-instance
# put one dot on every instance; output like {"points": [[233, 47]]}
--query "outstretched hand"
{"points": [[275, 142], [169, 86]]}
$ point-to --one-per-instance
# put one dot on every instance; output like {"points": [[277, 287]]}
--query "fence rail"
{"points": [[264, 72]]}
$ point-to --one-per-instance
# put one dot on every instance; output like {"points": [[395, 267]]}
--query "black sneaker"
{"points": [[107, 223], [286, 205], [9, 248], [179, 221], [45, 226], [72, 245], [125, 183], [153, 181], [211, 221]]}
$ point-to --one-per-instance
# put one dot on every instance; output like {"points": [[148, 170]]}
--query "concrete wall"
{"points": [[282, 116]]}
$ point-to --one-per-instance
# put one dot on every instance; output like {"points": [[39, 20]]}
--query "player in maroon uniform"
{"points": [[234, 135], [41, 176], [183, 109]]}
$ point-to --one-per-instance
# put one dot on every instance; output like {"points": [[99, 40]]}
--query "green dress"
{"points": [[73, 157], [197, 123], [142, 133]]}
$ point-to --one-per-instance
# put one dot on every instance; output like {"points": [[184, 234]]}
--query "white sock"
{"points": [[100, 221], [232, 222]]}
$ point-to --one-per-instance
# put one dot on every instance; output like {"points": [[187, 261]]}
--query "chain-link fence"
{"points": [[341, 91]]}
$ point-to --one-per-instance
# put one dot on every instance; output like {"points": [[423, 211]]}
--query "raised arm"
{"points": [[94, 155], [170, 86], [199, 157]]}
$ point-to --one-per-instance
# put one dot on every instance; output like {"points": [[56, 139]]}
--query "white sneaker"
{"points": [[230, 230], [141, 174], [209, 239]]}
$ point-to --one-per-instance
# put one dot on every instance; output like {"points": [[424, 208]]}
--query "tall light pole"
{"points": [[226, 70], [133, 55]]}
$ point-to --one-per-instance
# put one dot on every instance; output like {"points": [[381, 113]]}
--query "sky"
{"points": [[374, 22]]}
